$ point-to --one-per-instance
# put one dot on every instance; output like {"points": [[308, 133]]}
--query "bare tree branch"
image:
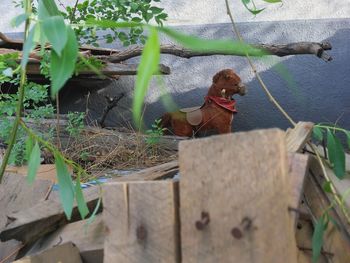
{"points": [[299, 48]]}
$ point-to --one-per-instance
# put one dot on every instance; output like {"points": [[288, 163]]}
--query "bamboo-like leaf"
{"points": [[28, 46], [229, 47], [317, 133], [82, 207], [254, 11], [18, 20], [65, 183], [93, 215], [336, 154], [49, 7], [348, 138], [33, 164], [148, 66], [29, 146], [56, 32], [317, 239], [62, 68]]}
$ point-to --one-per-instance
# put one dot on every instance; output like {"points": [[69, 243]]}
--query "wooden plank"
{"points": [[236, 179], [16, 194], [298, 136], [89, 239], [110, 69], [298, 165], [34, 222], [66, 253], [335, 241], [141, 222]]}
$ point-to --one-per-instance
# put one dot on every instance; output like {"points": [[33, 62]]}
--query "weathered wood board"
{"points": [[15, 195], [88, 238], [316, 199], [236, 178], [298, 136], [65, 253], [298, 165], [141, 221]]}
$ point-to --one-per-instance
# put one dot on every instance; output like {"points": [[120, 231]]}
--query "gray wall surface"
{"points": [[313, 90], [317, 91]]}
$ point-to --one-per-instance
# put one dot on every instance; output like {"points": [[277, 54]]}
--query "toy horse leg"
{"points": [[224, 129]]}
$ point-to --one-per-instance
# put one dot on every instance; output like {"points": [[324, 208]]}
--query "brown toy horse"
{"points": [[216, 112]]}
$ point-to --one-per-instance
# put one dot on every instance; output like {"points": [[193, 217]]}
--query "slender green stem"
{"points": [[19, 108]]}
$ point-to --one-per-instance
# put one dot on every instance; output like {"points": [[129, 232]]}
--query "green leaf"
{"points": [[66, 190], [317, 133], [148, 66], [29, 147], [327, 187], [56, 32], [50, 6], [156, 10], [93, 215], [33, 164], [82, 207], [202, 45], [18, 20], [317, 239], [62, 68], [336, 154], [28, 46], [348, 137]]}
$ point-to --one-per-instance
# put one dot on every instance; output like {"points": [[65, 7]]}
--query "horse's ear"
{"points": [[216, 77]]}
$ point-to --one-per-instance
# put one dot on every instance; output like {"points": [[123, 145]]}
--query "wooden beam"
{"points": [[141, 221], [109, 69], [16, 195], [233, 199], [298, 136], [88, 238], [67, 253]]}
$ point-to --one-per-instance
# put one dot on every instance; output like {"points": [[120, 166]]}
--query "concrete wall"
{"points": [[315, 91]]}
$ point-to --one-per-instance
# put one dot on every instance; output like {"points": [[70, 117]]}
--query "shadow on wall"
{"points": [[321, 93]]}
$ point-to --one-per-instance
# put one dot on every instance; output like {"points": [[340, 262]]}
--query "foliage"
{"points": [[75, 123], [139, 11], [155, 133], [252, 7], [36, 106], [335, 149]]}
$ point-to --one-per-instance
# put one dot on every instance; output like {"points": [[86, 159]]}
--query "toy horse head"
{"points": [[226, 83]]}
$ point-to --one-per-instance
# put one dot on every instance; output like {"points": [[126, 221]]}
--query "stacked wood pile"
{"points": [[242, 197]]}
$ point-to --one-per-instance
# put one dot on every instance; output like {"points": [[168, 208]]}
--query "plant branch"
{"points": [[73, 12], [19, 107], [299, 48], [257, 75]]}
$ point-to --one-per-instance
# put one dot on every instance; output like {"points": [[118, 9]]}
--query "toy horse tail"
{"points": [[165, 120]]}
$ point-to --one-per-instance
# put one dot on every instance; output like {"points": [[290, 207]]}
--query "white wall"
{"points": [[196, 12]]}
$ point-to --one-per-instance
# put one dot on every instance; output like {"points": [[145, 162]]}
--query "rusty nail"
{"points": [[141, 233], [205, 219]]}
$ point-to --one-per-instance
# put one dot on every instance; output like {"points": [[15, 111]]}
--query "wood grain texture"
{"points": [[65, 253], [298, 168], [141, 222], [16, 194], [232, 177], [298, 136], [88, 238]]}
